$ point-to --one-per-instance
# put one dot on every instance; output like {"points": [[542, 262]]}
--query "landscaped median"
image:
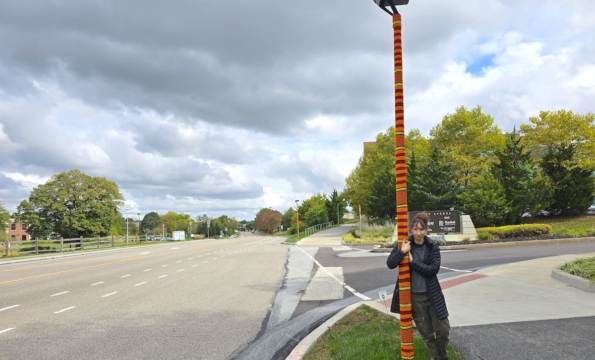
{"points": [[579, 273]]}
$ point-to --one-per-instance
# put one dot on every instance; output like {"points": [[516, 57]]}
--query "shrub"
{"points": [[514, 231], [584, 268], [486, 236]]}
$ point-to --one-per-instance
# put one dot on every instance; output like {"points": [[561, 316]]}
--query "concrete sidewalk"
{"points": [[510, 311]]}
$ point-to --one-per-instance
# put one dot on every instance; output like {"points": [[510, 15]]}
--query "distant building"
{"points": [[18, 231]]}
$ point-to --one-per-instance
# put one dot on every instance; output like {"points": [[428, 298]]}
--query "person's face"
{"points": [[418, 233]]}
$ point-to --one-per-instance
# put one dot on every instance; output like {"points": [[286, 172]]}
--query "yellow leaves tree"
{"points": [[468, 139], [554, 131]]}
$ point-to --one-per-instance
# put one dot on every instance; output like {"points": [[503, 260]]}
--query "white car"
{"points": [[590, 210]]}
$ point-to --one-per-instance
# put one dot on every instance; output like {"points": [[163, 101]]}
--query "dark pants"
{"points": [[434, 332]]}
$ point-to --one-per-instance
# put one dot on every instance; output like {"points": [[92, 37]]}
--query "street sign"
{"points": [[441, 221]]}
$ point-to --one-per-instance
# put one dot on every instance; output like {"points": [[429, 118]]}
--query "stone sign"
{"points": [[441, 221]]}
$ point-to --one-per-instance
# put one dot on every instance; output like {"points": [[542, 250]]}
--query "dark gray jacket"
{"points": [[428, 268]]}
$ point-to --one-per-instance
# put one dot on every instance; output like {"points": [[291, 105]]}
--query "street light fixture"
{"points": [[297, 211], [404, 282]]}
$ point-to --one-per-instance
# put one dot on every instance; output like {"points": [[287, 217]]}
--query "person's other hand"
{"points": [[410, 256], [406, 247]]}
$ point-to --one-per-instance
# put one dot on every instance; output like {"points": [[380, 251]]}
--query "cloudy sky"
{"points": [[225, 107]]}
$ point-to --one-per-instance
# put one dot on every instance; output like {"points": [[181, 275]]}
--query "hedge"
{"points": [[514, 231]]}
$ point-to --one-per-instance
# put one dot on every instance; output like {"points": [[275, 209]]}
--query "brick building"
{"points": [[18, 231]]}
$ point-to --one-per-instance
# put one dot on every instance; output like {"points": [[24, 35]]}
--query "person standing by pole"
{"points": [[428, 304]]}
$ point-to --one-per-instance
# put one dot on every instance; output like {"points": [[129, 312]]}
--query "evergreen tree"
{"points": [[382, 200], [573, 186], [415, 196], [436, 184], [485, 201], [525, 189]]}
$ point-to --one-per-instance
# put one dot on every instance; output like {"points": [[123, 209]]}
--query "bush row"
{"points": [[513, 231]]}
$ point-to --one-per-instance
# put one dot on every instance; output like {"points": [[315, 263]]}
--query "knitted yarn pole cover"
{"points": [[401, 184]]}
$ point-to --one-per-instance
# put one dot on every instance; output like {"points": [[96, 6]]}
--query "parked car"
{"points": [[590, 210]]}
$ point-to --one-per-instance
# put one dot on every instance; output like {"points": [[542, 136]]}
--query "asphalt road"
{"points": [[189, 300]]}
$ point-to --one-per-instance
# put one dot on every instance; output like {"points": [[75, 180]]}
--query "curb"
{"points": [[306, 344], [573, 280], [505, 244]]}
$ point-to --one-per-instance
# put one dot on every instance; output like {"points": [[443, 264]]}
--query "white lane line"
{"points": [[229, 254], [162, 276], [110, 294], [164, 265], [147, 270], [98, 283], [349, 288], [179, 262], [190, 258], [123, 276], [139, 284], [222, 256], [215, 259], [60, 293], [180, 270], [10, 307], [6, 330], [206, 262], [144, 253], [174, 248], [61, 311], [465, 271], [194, 265]]}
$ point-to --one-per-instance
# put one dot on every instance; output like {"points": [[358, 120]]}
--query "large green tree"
{"points": [[468, 139], [335, 206], [71, 204], [485, 201], [525, 188], [150, 221]]}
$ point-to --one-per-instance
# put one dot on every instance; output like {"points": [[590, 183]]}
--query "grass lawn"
{"points": [[568, 226], [365, 334], [584, 268]]}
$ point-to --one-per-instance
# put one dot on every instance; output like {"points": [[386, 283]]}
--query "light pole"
{"points": [[404, 283], [138, 226], [297, 211], [337, 214], [163, 232], [127, 225]]}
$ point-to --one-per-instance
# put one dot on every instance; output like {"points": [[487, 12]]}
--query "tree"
{"points": [[526, 190], [4, 220], [435, 185], [553, 131], [468, 139], [382, 200], [175, 221], [72, 204], [150, 221], [415, 195], [335, 207], [574, 187], [358, 185], [286, 221], [485, 201], [268, 221]]}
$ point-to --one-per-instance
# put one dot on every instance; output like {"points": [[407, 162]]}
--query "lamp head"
{"points": [[390, 4]]}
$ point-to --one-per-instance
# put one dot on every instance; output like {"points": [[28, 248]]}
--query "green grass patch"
{"points": [[365, 334], [584, 268], [291, 238], [577, 226], [370, 234]]}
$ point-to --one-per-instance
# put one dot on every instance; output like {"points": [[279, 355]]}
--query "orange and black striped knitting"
{"points": [[401, 176]]}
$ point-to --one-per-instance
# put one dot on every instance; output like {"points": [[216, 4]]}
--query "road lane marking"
{"points": [[110, 294], [174, 248], [164, 265], [215, 259], [180, 270], [349, 288], [6, 330], [98, 283], [147, 270], [194, 265], [139, 284], [144, 253], [10, 307], [179, 262], [206, 262], [61, 311], [123, 276], [190, 258], [465, 271], [60, 293], [162, 276]]}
